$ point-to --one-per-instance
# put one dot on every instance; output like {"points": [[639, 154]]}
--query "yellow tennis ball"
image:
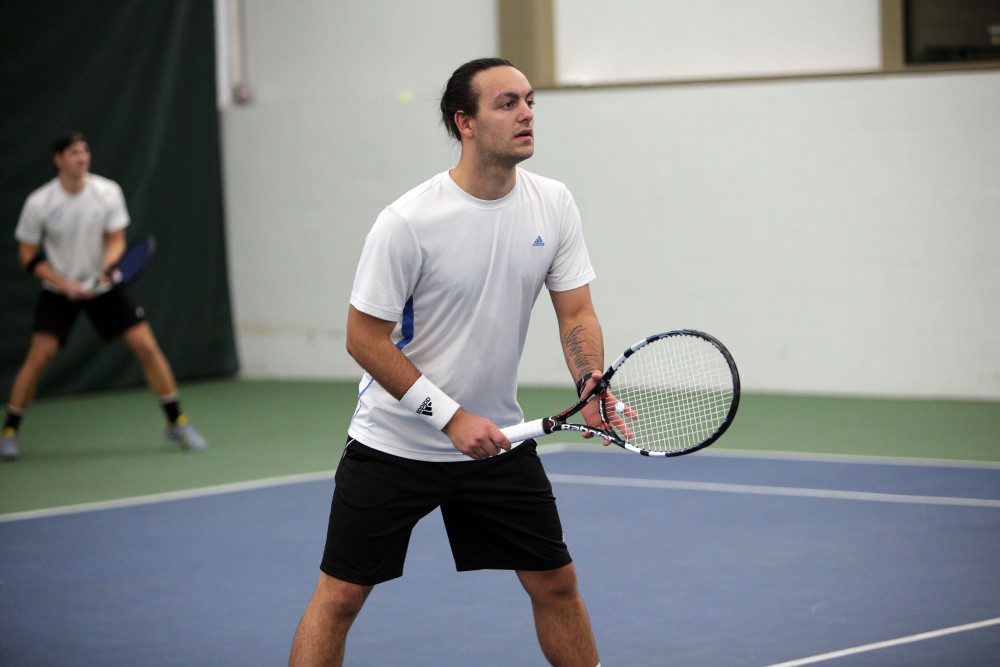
{"points": [[404, 96]]}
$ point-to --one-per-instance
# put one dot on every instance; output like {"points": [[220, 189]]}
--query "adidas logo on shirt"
{"points": [[426, 408], [539, 243]]}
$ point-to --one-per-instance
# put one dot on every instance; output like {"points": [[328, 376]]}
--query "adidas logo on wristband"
{"points": [[426, 400]]}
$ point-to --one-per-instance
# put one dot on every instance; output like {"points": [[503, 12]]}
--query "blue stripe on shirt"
{"points": [[407, 324]]}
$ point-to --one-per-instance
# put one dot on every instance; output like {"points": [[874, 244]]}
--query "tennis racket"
{"points": [[670, 394], [131, 264]]}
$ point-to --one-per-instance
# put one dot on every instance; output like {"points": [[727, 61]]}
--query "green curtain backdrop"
{"points": [[137, 77]]}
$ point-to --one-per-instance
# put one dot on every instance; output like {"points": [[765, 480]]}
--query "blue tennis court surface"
{"points": [[706, 560]]}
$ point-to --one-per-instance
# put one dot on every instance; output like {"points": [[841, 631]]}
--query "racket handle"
{"points": [[519, 432]]}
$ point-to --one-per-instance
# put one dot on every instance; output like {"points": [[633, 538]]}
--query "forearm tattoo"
{"points": [[573, 342]]}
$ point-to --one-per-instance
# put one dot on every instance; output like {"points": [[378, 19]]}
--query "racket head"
{"points": [[680, 391], [134, 260]]}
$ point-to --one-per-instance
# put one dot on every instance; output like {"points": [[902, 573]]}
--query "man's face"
{"points": [[504, 123], [75, 160]]}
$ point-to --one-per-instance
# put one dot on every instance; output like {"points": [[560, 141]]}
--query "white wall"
{"points": [[681, 40], [840, 235], [326, 144]]}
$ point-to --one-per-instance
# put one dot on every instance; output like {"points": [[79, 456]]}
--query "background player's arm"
{"points": [[114, 248], [27, 253]]}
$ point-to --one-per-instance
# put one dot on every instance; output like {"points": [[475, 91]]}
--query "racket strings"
{"points": [[680, 389]]}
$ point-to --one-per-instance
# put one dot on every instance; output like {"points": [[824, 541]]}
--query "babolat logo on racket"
{"points": [[426, 408]]}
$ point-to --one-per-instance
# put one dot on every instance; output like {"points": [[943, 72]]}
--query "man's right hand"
{"points": [[475, 436], [75, 291]]}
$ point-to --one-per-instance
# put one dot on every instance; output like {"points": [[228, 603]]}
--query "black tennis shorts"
{"points": [[499, 513], [112, 313]]}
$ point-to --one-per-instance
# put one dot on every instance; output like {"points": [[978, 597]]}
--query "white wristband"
{"points": [[424, 399]]}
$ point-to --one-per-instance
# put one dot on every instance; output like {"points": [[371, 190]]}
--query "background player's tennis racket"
{"points": [[667, 395], [130, 266]]}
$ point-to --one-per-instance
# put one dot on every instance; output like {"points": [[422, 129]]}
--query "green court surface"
{"points": [[109, 445]]}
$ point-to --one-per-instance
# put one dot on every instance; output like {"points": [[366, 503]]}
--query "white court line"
{"points": [[864, 459], [833, 655], [555, 448], [829, 494], [777, 455], [152, 498], [188, 494]]}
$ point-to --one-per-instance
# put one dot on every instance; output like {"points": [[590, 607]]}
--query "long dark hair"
{"points": [[459, 95]]}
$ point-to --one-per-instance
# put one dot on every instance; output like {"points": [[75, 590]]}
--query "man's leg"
{"points": [[40, 352], [561, 619], [155, 366], [322, 632], [160, 379], [43, 347]]}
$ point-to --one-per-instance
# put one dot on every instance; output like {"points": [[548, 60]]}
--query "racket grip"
{"points": [[519, 432]]}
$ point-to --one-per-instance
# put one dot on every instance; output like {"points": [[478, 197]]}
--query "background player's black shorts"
{"points": [[499, 513], [112, 313]]}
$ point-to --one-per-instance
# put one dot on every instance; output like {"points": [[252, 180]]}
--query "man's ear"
{"points": [[465, 124]]}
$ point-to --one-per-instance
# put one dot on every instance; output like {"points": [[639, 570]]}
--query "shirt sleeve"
{"points": [[388, 269], [117, 217], [571, 267], [31, 223]]}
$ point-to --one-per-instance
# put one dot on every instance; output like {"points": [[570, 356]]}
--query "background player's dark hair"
{"points": [[459, 94], [67, 139]]}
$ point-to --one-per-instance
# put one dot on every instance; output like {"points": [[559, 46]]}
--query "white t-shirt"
{"points": [[71, 227], [459, 276]]}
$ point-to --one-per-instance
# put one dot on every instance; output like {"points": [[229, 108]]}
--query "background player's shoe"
{"points": [[186, 435], [8, 446]]}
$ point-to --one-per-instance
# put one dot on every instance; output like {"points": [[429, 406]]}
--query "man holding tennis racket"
{"points": [[438, 316], [71, 234]]}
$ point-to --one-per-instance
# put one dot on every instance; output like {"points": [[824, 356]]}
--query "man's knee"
{"points": [[338, 599], [550, 584], [41, 351], [141, 341]]}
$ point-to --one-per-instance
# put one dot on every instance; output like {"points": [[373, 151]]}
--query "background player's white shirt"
{"points": [[459, 276], [71, 227]]}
